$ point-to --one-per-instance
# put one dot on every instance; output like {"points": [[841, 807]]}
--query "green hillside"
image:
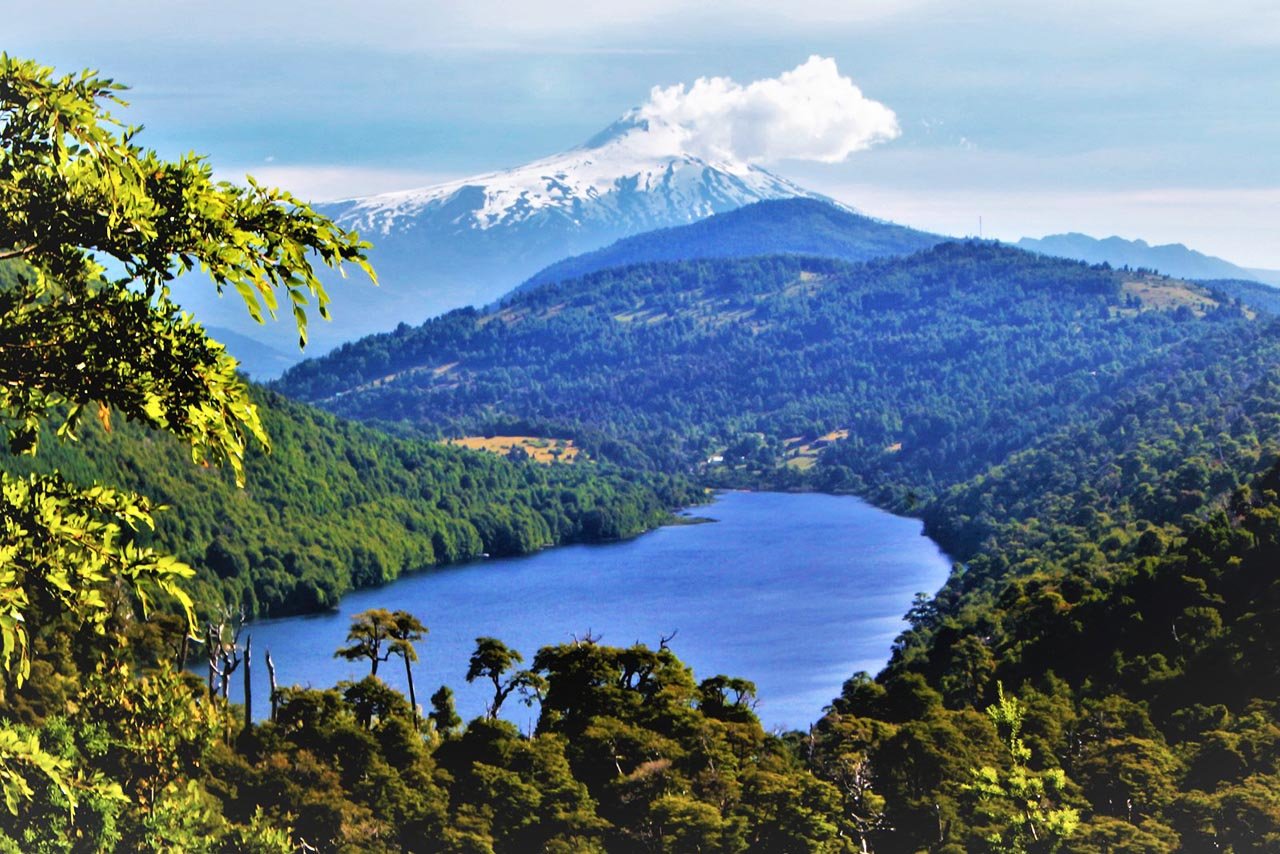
{"points": [[1096, 448], [337, 505], [937, 366]]}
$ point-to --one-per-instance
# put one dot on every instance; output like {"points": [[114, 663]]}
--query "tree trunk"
{"points": [[248, 682], [413, 698], [271, 678], [211, 650]]}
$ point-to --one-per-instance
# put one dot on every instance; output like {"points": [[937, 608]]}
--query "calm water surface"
{"points": [[793, 591]]}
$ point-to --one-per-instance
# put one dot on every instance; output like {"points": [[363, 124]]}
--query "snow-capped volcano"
{"points": [[470, 241], [632, 176]]}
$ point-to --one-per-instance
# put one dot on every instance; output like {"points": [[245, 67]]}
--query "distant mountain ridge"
{"points": [[467, 242], [1172, 259], [800, 226]]}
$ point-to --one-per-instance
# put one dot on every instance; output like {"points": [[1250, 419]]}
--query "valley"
{"points": [[992, 530], [1073, 436]]}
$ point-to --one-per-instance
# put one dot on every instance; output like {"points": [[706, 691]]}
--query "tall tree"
{"points": [[77, 336], [1023, 806], [405, 631]]}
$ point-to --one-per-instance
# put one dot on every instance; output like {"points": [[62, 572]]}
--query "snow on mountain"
{"points": [[632, 175], [467, 242]]}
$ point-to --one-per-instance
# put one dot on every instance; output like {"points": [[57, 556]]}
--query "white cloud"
{"points": [[809, 113], [327, 183]]}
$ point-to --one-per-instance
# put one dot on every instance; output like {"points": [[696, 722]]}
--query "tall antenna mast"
{"points": [[979, 226]]}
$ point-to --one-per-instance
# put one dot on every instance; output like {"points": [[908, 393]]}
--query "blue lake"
{"points": [[795, 592]]}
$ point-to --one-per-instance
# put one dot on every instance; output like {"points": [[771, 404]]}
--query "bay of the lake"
{"points": [[795, 592]]}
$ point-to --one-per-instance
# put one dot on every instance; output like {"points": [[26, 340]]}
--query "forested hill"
{"points": [[1256, 295], [337, 505], [1117, 574], [938, 365], [773, 227]]}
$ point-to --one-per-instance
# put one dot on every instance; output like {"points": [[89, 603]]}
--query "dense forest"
{"points": [[336, 506], [1096, 448], [939, 366], [1118, 698]]}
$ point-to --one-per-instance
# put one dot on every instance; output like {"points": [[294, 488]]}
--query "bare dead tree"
{"points": [[588, 639], [271, 679], [212, 646], [224, 653], [664, 640], [853, 775], [231, 658], [184, 649]]}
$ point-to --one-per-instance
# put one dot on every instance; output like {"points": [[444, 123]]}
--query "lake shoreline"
{"points": [[834, 570]]}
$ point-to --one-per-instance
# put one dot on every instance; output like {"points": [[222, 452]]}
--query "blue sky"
{"points": [[1153, 120]]}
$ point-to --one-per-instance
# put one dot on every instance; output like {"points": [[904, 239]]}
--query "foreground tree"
{"points": [[491, 660], [77, 336], [1023, 806]]}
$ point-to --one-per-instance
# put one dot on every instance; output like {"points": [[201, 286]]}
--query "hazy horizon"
{"points": [[1135, 119]]}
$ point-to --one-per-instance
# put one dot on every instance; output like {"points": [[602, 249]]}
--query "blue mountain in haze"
{"points": [[1172, 259], [777, 227]]}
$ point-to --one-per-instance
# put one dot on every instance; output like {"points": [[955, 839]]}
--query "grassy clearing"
{"points": [[803, 455], [539, 448], [436, 372], [1158, 293]]}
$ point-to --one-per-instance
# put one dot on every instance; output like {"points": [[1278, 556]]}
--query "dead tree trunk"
{"points": [[213, 650], [231, 659], [271, 679], [248, 682], [229, 650]]}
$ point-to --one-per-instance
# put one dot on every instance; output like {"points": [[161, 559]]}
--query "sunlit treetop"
{"points": [[104, 227], [94, 234]]}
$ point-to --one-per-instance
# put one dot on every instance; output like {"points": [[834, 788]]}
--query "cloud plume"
{"points": [[809, 113]]}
